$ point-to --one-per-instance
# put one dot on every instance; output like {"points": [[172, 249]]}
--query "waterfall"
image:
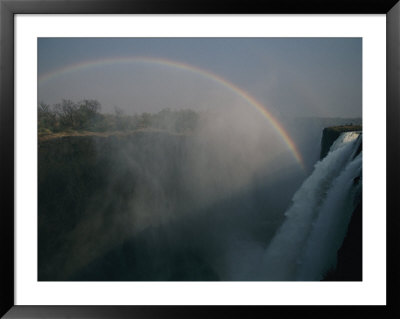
{"points": [[331, 225], [306, 244]]}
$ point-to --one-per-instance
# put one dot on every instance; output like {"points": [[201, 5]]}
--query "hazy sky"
{"points": [[289, 76]]}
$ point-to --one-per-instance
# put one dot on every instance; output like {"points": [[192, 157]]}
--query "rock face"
{"points": [[330, 134], [85, 181], [349, 256], [349, 266]]}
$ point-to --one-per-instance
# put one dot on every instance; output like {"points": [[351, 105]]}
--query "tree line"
{"points": [[85, 115]]}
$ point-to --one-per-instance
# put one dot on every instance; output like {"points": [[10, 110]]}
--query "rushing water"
{"points": [[305, 246]]}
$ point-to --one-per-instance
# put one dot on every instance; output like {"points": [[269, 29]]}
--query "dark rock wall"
{"points": [[84, 181], [349, 256], [330, 134]]}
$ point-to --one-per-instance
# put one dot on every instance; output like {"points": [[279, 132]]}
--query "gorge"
{"points": [[149, 206]]}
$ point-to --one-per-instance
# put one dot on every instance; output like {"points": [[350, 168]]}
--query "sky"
{"points": [[287, 76]]}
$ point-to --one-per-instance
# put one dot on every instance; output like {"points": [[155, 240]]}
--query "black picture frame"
{"points": [[9, 8]]}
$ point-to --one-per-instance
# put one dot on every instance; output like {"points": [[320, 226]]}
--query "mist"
{"points": [[158, 205], [198, 194], [209, 203]]}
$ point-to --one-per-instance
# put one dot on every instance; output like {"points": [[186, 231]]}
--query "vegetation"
{"points": [[85, 116], [345, 128]]}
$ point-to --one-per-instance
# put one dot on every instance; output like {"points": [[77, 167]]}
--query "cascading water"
{"points": [[305, 246]]}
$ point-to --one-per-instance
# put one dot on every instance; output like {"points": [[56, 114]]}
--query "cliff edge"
{"points": [[330, 134], [349, 256]]}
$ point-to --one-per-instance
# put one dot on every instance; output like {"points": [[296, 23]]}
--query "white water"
{"points": [[330, 227], [305, 246], [343, 139]]}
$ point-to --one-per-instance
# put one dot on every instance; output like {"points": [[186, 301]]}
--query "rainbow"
{"points": [[207, 74]]}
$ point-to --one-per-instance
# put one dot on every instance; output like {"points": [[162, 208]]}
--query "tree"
{"points": [[186, 120], [88, 114], [46, 117], [78, 116], [120, 119], [145, 120]]}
